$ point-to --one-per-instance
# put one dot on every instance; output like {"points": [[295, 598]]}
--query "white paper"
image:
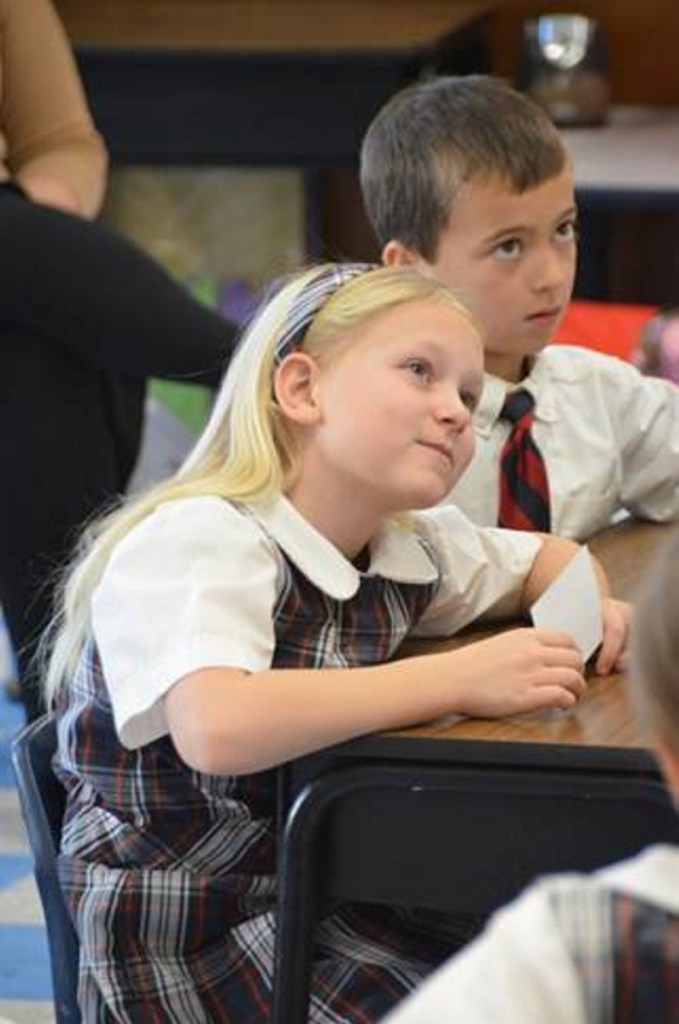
{"points": [[572, 603]]}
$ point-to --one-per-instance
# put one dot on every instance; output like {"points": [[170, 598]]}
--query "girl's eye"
{"points": [[509, 249], [419, 368]]}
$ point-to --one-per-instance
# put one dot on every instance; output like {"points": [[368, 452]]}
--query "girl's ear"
{"points": [[294, 386]]}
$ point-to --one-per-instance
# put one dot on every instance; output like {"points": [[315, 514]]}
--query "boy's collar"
{"points": [[537, 381], [396, 553]]}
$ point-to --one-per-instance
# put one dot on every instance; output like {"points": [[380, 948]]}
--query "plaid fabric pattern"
{"points": [[169, 874], [625, 951]]}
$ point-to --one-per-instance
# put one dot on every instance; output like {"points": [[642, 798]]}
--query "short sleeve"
{"points": [[480, 568], [192, 586]]}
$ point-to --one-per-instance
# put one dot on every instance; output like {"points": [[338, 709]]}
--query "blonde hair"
{"points": [[247, 451], [654, 660]]}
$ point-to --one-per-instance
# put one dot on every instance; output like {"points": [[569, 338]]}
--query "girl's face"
{"points": [[394, 409]]}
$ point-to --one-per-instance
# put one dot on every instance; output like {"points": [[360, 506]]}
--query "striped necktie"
{"points": [[524, 489]]}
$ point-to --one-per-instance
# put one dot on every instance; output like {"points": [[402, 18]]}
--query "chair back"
{"points": [[42, 799]]}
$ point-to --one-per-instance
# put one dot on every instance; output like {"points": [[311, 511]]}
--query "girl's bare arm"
{"points": [[226, 721]]}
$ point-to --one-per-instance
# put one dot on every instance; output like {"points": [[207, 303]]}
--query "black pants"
{"points": [[85, 318]]}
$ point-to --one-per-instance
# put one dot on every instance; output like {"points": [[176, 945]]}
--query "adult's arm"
{"points": [[52, 148], [79, 286]]}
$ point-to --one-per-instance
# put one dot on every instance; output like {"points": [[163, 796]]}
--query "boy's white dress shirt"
{"points": [[609, 437]]}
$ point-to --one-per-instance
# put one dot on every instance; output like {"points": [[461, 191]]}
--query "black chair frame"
{"points": [[463, 841], [42, 799]]}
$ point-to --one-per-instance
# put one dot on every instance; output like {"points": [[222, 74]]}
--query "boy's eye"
{"points": [[568, 230], [509, 249]]}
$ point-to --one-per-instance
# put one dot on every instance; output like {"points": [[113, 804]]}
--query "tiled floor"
{"points": [[25, 984]]}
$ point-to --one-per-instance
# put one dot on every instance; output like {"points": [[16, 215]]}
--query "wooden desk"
{"points": [[601, 732], [604, 721], [460, 816]]}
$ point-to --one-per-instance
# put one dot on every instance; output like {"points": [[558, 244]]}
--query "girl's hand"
{"points": [[519, 671], [613, 653]]}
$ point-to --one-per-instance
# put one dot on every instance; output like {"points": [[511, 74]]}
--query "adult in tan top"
{"points": [[85, 318], [48, 142]]}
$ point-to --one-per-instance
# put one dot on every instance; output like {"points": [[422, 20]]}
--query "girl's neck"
{"points": [[337, 517]]}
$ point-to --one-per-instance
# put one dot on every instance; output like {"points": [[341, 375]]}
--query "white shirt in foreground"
{"points": [[609, 437]]}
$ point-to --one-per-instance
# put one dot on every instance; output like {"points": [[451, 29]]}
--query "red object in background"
{"points": [[611, 327]]}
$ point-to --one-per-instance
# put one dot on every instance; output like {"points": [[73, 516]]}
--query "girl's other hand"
{"points": [[613, 653]]}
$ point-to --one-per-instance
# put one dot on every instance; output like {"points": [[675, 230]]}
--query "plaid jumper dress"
{"points": [[625, 951], [169, 873]]}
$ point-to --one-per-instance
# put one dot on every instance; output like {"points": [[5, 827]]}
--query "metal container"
{"points": [[564, 68]]}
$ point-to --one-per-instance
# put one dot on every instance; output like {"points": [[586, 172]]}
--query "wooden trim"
{"points": [[276, 26]]}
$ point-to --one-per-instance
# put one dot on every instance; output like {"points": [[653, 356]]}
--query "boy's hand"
{"points": [[613, 653]]}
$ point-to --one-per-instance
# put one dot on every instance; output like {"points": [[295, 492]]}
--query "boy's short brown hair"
{"points": [[433, 136]]}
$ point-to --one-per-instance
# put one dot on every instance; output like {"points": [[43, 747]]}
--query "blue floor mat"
{"points": [[24, 963], [14, 866], [11, 721]]}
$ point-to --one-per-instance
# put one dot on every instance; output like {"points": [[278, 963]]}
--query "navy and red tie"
{"points": [[524, 488]]}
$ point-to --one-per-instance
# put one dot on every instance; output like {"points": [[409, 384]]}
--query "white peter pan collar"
{"points": [[396, 553]]}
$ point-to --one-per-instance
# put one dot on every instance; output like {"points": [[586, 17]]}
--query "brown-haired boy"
{"points": [[469, 181]]}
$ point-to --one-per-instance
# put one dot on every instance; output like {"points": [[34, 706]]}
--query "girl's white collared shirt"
{"points": [[196, 584]]}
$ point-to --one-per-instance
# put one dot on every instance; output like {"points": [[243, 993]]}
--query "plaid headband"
{"points": [[309, 301]]}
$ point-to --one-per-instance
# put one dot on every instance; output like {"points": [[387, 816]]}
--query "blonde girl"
{"points": [[248, 611]]}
